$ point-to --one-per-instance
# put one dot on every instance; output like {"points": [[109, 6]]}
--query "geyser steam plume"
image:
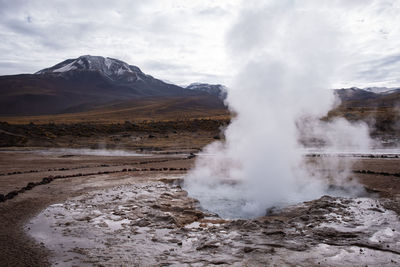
{"points": [[290, 51]]}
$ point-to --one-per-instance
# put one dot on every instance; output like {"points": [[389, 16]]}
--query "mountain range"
{"points": [[369, 97], [89, 82]]}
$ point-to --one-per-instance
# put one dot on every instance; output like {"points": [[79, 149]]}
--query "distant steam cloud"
{"points": [[290, 52], [91, 152]]}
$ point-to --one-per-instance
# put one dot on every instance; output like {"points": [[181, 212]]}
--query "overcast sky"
{"points": [[180, 41]]}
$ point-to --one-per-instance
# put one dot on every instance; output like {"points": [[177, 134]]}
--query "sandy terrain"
{"points": [[130, 210]]}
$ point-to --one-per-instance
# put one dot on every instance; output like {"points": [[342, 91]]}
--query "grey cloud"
{"points": [[212, 12], [389, 60], [179, 73], [386, 68], [244, 34], [18, 67], [138, 32], [159, 65]]}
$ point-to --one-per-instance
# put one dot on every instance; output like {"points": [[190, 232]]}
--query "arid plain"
{"points": [[116, 197]]}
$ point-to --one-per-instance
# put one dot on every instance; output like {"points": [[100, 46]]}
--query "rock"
{"points": [[11, 195], [271, 211], [30, 185], [46, 180], [274, 233], [143, 223], [305, 218], [207, 245], [165, 218], [248, 249], [196, 213]]}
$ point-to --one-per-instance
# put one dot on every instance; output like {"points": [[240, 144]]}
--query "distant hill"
{"points": [[356, 97], [214, 89], [86, 83], [101, 89], [379, 108]]}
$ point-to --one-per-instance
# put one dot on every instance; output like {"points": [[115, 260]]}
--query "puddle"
{"points": [[375, 152]]}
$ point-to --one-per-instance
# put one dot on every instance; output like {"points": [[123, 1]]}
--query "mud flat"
{"points": [[130, 210], [57, 178], [156, 224]]}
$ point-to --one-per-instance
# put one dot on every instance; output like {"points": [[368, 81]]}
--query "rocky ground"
{"points": [[130, 210], [156, 224]]}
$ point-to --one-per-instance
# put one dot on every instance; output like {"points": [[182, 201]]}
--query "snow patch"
{"points": [[120, 71], [381, 90], [65, 68], [108, 62]]}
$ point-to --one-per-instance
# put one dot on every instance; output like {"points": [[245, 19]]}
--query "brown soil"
{"points": [[149, 135], [79, 174], [16, 248]]}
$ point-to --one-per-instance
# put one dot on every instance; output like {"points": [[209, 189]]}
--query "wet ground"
{"points": [[156, 224], [131, 210]]}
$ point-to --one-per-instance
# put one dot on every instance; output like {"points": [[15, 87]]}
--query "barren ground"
{"points": [[130, 210]]}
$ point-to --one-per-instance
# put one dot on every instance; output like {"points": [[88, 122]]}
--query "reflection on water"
{"points": [[352, 152], [339, 152]]}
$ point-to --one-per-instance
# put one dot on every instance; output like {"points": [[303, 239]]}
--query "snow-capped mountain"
{"points": [[114, 69], [355, 93], [375, 90], [86, 82], [111, 73], [381, 90], [356, 97], [213, 89]]}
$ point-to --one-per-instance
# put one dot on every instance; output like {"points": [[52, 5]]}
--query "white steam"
{"points": [[91, 152], [288, 52]]}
